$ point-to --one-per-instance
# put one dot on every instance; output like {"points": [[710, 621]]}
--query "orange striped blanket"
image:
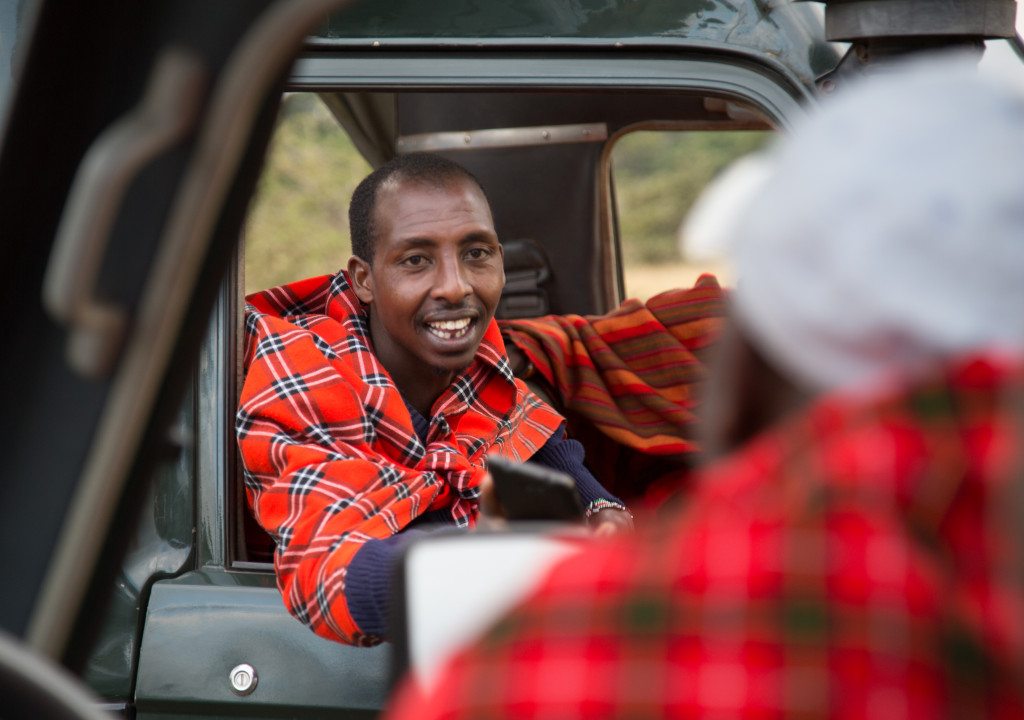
{"points": [[630, 376]]}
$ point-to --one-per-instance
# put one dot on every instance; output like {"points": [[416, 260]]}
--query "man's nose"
{"points": [[451, 282]]}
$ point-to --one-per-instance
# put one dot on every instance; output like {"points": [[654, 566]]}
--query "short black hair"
{"points": [[426, 168]]}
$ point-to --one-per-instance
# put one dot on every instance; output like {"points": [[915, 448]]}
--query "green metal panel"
{"points": [[791, 33], [780, 95], [162, 547], [214, 431], [201, 625]]}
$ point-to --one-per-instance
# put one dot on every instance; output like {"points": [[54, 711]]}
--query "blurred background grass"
{"points": [[298, 223]]}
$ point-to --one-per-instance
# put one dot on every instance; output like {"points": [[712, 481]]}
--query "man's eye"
{"points": [[478, 253], [414, 260]]}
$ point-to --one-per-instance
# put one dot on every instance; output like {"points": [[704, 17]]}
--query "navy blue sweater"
{"points": [[370, 573]]}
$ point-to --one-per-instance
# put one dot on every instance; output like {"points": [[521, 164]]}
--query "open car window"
{"points": [[589, 186], [298, 224]]}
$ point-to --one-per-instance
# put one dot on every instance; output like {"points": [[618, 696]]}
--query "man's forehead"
{"points": [[402, 202], [398, 184]]}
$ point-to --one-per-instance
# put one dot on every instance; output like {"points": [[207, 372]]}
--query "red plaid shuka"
{"points": [[861, 561], [632, 375], [330, 454]]}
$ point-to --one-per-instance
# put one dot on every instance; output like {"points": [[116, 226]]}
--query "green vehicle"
{"points": [[134, 135]]}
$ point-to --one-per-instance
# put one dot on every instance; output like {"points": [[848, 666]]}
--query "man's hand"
{"points": [[611, 521], [608, 521], [492, 517]]}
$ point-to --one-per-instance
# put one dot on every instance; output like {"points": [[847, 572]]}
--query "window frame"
{"points": [[610, 200], [735, 76]]}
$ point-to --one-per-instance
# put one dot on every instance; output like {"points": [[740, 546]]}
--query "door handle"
{"points": [[166, 113]]}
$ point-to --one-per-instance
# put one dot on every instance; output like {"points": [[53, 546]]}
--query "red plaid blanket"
{"points": [[632, 375], [330, 455], [865, 560]]}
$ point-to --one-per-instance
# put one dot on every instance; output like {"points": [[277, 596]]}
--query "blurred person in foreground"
{"points": [[855, 548]]}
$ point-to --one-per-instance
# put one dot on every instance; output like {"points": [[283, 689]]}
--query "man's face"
{"points": [[435, 280]]}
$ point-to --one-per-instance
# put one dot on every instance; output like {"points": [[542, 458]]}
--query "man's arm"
{"points": [[321, 514], [603, 508], [312, 478]]}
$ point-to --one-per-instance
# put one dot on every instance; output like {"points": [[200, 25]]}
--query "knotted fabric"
{"points": [[330, 455]]}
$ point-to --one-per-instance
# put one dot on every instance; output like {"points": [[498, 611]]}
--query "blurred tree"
{"points": [[658, 176], [298, 223]]}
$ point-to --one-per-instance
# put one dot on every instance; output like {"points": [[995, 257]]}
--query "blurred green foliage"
{"points": [[658, 176], [298, 223]]}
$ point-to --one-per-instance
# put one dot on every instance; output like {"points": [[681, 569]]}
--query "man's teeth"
{"points": [[449, 329]]}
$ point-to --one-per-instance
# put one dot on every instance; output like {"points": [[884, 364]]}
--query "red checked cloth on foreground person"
{"points": [[633, 375], [330, 453], [861, 561]]}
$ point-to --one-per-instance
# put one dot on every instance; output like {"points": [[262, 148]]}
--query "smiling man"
{"points": [[429, 264], [372, 398]]}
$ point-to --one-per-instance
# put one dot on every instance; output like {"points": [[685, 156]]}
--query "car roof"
{"points": [[788, 34]]}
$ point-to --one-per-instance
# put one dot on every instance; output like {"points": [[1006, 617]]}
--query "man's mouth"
{"points": [[450, 329]]}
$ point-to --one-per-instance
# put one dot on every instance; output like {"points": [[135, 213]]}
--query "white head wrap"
{"points": [[710, 226], [889, 233]]}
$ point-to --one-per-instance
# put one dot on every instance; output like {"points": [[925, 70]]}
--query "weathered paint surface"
{"points": [[790, 33]]}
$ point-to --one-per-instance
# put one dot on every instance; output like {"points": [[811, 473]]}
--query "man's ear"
{"points": [[362, 280], [501, 259]]}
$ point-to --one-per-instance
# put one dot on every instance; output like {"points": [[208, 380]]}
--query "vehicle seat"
{"points": [[527, 273]]}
